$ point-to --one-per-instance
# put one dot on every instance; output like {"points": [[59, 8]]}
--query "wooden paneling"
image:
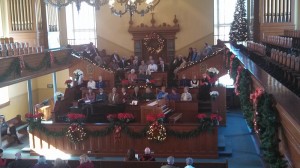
{"points": [[91, 70], [189, 111], [219, 104], [201, 146]]}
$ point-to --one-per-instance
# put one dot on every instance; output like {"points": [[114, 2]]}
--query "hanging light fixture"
{"points": [[63, 3], [141, 7]]}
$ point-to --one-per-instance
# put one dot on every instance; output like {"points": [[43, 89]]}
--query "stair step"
{"points": [[221, 143], [227, 152]]}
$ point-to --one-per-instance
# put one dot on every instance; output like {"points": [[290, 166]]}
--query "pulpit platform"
{"points": [[103, 141]]}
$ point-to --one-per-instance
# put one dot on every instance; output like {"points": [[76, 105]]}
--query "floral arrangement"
{"points": [[77, 73], [125, 117], [237, 80], [34, 116], [214, 94], [75, 117], [68, 83], [155, 117], [211, 120], [76, 133], [212, 72]]}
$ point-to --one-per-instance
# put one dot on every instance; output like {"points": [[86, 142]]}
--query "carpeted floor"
{"points": [[238, 139]]}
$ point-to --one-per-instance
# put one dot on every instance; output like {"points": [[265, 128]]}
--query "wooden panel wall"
{"points": [[202, 146], [91, 70]]}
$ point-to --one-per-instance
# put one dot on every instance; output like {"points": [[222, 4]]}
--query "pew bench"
{"points": [[175, 117]]}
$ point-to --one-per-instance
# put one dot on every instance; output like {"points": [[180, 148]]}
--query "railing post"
{"points": [[54, 86], [29, 91]]}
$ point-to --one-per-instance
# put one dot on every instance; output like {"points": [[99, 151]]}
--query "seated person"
{"points": [[90, 96], [184, 82], [101, 97], [152, 67], [136, 94], [170, 163], [186, 96], [162, 67], [123, 63], [174, 96], [113, 97], [100, 83], [195, 82], [162, 94], [19, 162], [124, 97], [91, 83], [85, 162], [9, 130], [143, 68], [132, 76], [130, 155], [189, 163], [148, 95], [147, 156], [207, 50], [42, 163]]}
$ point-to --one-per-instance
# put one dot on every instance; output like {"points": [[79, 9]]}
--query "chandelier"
{"points": [[141, 7], [63, 3]]}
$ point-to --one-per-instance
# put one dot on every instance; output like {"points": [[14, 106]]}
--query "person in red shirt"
{"points": [[2, 161], [85, 162]]}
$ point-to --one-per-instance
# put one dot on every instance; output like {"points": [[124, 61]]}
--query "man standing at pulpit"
{"points": [[113, 97]]}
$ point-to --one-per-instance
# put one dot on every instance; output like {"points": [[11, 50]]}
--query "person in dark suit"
{"points": [[190, 55], [115, 57], [162, 67], [114, 97], [123, 63], [9, 130], [136, 94], [184, 82], [174, 96], [100, 83], [101, 97]]}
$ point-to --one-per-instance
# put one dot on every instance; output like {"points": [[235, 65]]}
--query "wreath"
{"points": [[156, 132], [76, 133], [154, 43]]}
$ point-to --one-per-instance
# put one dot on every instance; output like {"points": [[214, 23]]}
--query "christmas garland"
{"points": [[154, 37], [76, 133], [264, 120], [45, 63], [14, 67]]}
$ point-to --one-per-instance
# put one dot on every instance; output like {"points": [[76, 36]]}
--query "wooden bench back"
{"points": [[16, 121]]}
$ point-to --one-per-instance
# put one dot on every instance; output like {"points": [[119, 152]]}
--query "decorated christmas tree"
{"points": [[239, 26]]}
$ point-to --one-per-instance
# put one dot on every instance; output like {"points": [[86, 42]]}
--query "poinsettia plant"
{"points": [[36, 115], [125, 117], [211, 120], [155, 117], [75, 117]]}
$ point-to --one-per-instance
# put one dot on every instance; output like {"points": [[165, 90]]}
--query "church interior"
{"points": [[150, 83]]}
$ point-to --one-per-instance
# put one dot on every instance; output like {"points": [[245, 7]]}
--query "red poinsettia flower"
{"points": [[151, 118], [68, 81], [125, 116], [28, 115], [216, 117], [201, 116], [160, 115], [75, 116]]}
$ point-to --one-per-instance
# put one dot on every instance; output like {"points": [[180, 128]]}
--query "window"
{"points": [[4, 98], [81, 25], [223, 17]]}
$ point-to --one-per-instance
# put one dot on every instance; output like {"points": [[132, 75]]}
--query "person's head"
{"points": [[18, 155], [190, 49], [130, 153], [183, 76], [114, 90], [136, 89], [148, 90], [189, 161], [84, 159], [100, 78], [101, 90], [147, 151], [204, 75], [174, 90], [115, 52], [123, 90], [205, 44], [170, 160], [160, 58], [186, 89], [90, 78], [136, 57], [42, 160], [132, 71], [59, 163], [150, 57], [152, 62], [194, 77], [2, 118], [163, 89]]}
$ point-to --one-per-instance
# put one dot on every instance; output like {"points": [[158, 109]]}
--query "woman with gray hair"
{"points": [[42, 163], [170, 161], [189, 162], [85, 162]]}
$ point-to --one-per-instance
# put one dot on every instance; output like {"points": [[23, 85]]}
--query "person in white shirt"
{"points": [[189, 162], [152, 67], [91, 83], [186, 96], [195, 82]]}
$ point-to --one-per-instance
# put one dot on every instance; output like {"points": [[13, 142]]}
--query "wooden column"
{"points": [[256, 27], [43, 31]]}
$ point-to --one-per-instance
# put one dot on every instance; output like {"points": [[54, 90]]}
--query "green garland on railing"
{"points": [[14, 67], [269, 124], [45, 63], [235, 65], [125, 129], [245, 90]]}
